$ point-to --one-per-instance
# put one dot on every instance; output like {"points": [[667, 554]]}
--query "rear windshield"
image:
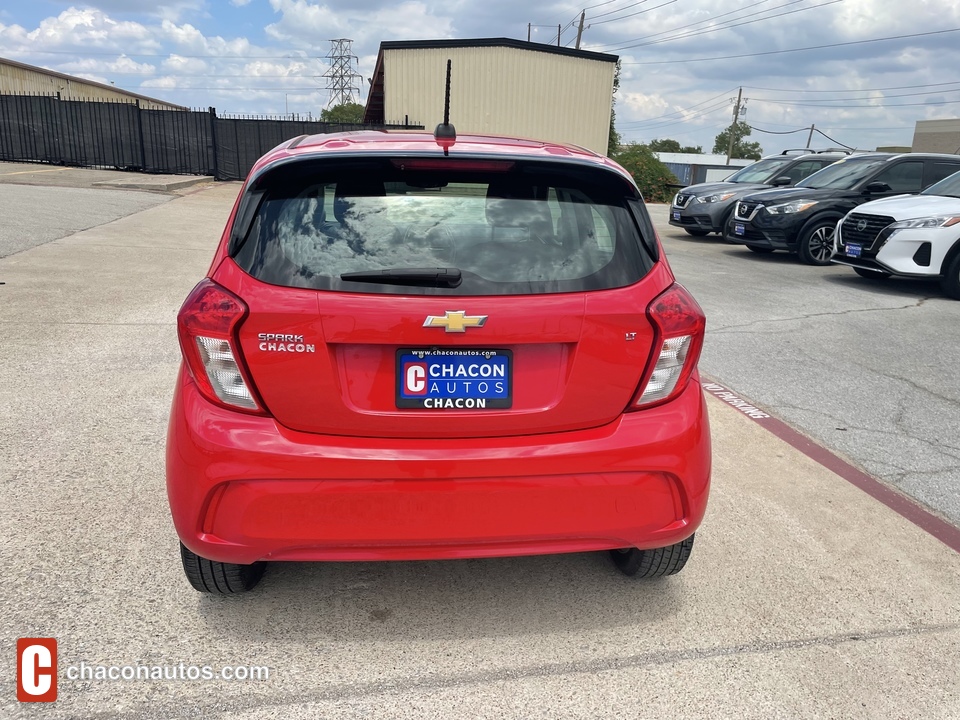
{"points": [[507, 227]]}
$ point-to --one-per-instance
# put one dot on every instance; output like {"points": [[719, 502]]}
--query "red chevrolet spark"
{"points": [[413, 348]]}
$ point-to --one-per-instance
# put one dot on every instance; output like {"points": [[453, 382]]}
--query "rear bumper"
{"points": [[243, 488]]}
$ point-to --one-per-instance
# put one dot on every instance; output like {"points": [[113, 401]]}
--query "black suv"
{"points": [[705, 207], [802, 219]]}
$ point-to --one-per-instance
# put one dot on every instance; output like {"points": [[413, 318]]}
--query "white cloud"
{"points": [[196, 52], [304, 23]]}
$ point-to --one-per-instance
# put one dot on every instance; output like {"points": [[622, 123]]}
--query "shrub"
{"points": [[651, 175]]}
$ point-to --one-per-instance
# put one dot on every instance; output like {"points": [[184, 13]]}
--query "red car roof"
{"points": [[382, 141]]}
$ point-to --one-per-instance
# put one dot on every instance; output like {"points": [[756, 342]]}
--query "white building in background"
{"points": [[939, 136], [17, 78], [499, 86], [692, 168]]}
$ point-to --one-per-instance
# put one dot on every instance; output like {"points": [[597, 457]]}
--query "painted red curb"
{"points": [[942, 530]]}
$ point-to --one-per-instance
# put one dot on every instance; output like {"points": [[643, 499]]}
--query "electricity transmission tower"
{"points": [[341, 77]]}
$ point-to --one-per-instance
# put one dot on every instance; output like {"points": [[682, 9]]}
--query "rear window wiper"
{"points": [[425, 277]]}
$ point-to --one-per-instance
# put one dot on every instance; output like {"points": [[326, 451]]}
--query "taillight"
{"points": [[680, 326], [207, 325]]}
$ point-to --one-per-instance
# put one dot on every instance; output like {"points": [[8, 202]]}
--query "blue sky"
{"points": [[682, 61]]}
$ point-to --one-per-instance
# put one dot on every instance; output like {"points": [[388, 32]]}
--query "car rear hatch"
{"points": [[430, 298]]}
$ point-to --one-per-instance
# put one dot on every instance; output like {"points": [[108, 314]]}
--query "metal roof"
{"points": [[75, 79]]}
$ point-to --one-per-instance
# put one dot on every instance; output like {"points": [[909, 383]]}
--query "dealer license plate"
{"points": [[676, 215], [454, 378], [853, 250], [738, 229]]}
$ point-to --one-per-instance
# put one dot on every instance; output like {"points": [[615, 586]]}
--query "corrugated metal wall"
{"points": [[941, 136], [15, 80], [503, 91]]}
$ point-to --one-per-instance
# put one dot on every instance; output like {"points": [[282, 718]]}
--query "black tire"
{"points": [[696, 233], [219, 578], [653, 563], [871, 274], [760, 250], [816, 242], [950, 280]]}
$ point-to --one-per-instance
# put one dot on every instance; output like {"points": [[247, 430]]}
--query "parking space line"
{"points": [[942, 530]]}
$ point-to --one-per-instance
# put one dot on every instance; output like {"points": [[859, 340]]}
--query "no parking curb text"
{"points": [[721, 393]]}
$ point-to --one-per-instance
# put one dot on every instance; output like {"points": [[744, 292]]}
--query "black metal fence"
{"points": [[124, 136]]}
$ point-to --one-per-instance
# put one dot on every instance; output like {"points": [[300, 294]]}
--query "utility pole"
{"points": [[580, 29], [736, 117], [529, 26], [559, 33], [810, 136]]}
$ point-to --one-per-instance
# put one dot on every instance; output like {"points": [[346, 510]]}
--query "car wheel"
{"points": [[760, 250], [653, 563], [816, 243], [696, 233], [950, 280], [219, 578], [871, 274]]}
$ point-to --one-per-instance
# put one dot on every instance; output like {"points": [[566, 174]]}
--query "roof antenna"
{"points": [[446, 134]]}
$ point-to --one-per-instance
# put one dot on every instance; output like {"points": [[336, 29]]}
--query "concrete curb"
{"points": [[161, 183]]}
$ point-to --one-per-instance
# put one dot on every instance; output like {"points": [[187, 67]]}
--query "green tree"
{"points": [[651, 175], [673, 146], [343, 113], [665, 145], [741, 149], [614, 139]]}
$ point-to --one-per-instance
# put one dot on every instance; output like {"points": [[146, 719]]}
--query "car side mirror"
{"points": [[876, 187], [781, 181]]}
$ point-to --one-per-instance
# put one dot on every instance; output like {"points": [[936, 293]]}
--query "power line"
{"points": [[778, 132], [681, 111], [625, 7], [590, 7], [684, 27], [858, 107], [639, 12], [832, 140], [896, 87], [730, 25], [707, 111], [793, 50], [848, 99]]}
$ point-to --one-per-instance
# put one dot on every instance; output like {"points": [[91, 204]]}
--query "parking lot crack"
{"points": [[401, 685], [808, 316]]}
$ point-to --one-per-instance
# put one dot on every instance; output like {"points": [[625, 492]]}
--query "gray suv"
{"points": [[705, 208]]}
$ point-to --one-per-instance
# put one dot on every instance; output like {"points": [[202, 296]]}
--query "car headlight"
{"points": [[933, 221], [714, 198], [797, 206]]}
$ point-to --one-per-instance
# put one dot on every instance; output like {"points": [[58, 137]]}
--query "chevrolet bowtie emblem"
{"points": [[455, 321]]}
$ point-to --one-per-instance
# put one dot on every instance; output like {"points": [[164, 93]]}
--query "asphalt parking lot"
{"points": [[804, 597], [868, 368]]}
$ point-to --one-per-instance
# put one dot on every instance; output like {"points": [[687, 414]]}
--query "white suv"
{"points": [[907, 235]]}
